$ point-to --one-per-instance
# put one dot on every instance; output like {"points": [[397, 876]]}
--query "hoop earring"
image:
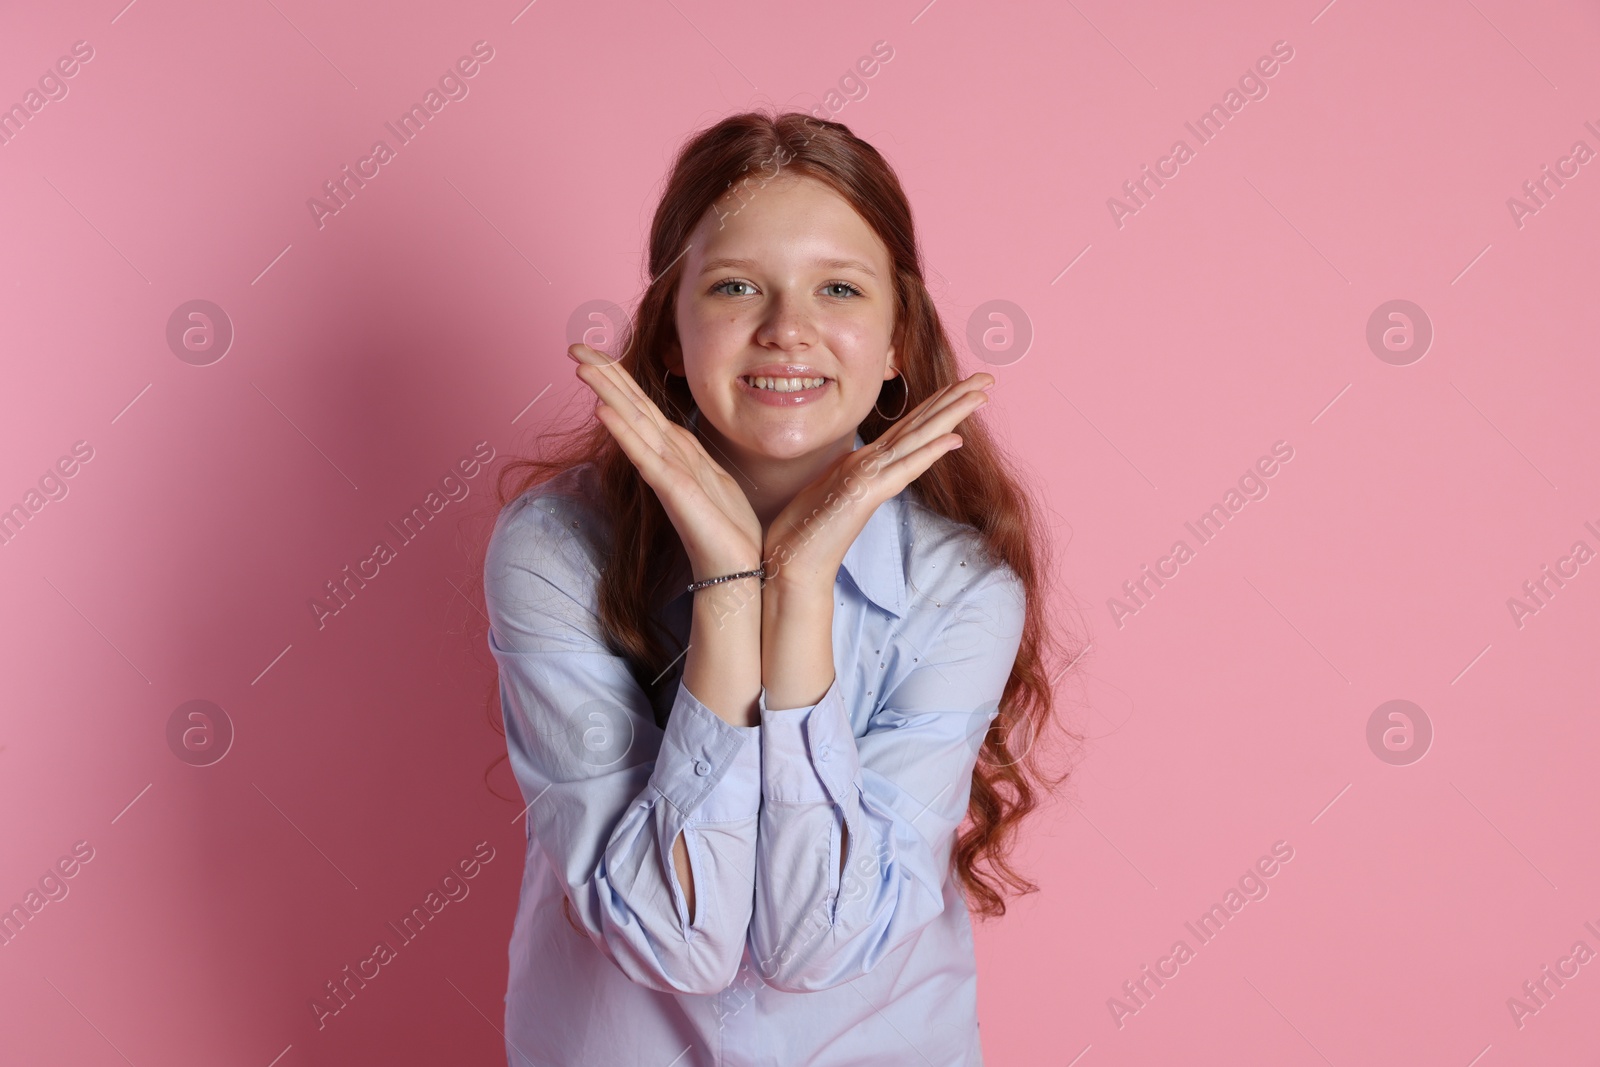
{"points": [[905, 398]]}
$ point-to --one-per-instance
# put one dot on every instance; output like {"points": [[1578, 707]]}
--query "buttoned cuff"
{"points": [[808, 755], [707, 768]]}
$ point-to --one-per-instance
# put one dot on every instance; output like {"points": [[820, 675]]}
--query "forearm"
{"points": [[797, 651], [722, 669], [796, 642], [680, 863]]}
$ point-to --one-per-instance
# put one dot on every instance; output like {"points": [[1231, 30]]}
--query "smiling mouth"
{"points": [[782, 385]]}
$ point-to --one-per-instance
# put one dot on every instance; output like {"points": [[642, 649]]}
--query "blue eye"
{"points": [[731, 281], [843, 285]]}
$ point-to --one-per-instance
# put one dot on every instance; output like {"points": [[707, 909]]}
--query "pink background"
{"points": [[1229, 313]]}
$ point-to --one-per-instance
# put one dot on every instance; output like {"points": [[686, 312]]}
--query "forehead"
{"points": [[791, 219]]}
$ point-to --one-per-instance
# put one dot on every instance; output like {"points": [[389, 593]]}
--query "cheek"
{"points": [[710, 343], [723, 332], [858, 343], [708, 323], [692, 329]]}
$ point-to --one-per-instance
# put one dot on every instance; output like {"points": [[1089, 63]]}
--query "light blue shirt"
{"points": [[787, 961]]}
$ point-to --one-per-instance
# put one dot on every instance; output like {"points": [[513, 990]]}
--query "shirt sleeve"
{"points": [[607, 790], [901, 789]]}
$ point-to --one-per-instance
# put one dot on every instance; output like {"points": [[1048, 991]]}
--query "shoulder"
{"points": [[948, 563], [554, 531]]}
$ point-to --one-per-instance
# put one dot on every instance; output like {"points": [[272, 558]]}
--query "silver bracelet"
{"points": [[759, 572]]}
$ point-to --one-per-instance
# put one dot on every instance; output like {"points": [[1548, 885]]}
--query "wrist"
{"points": [[715, 580], [700, 570], [792, 586]]}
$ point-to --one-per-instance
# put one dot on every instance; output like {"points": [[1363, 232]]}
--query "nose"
{"points": [[787, 325]]}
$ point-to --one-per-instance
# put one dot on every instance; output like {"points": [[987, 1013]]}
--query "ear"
{"points": [[672, 359], [892, 365]]}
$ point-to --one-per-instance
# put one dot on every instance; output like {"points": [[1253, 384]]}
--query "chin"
{"points": [[785, 447], [793, 442]]}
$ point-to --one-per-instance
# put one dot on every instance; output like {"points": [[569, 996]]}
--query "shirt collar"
{"points": [[874, 561]]}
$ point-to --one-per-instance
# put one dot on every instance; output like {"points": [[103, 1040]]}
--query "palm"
{"points": [[713, 518]]}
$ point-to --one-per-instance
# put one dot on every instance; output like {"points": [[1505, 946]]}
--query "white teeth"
{"points": [[786, 385]]}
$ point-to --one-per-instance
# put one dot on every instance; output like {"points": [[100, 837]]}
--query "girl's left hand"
{"points": [[839, 503]]}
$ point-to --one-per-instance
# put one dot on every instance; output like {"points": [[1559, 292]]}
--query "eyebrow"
{"points": [[832, 264]]}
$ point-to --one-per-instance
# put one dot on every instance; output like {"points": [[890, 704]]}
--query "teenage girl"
{"points": [[768, 631]]}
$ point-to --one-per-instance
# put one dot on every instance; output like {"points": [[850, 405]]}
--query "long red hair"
{"points": [[972, 484]]}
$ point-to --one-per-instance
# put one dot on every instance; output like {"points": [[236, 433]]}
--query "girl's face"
{"points": [[787, 285]]}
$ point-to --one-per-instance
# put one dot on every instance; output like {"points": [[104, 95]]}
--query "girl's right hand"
{"points": [[714, 520]]}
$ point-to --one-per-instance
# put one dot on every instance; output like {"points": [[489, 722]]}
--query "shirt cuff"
{"points": [[808, 755], [707, 768]]}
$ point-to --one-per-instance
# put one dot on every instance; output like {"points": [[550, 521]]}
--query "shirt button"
{"points": [[823, 753], [702, 768]]}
